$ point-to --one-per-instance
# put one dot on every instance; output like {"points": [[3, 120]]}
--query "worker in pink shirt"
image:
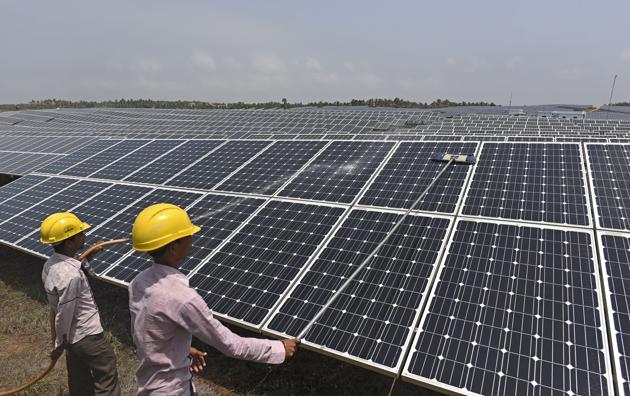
{"points": [[166, 313]]}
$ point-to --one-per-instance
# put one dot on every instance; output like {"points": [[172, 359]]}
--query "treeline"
{"points": [[622, 104], [184, 104]]}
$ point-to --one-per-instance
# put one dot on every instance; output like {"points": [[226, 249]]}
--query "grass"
{"points": [[25, 344]]}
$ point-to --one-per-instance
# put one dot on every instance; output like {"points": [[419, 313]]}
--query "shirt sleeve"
{"points": [[196, 317], [65, 310]]}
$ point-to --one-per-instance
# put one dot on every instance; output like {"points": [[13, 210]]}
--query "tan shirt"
{"points": [[70, 297], [165, 314]]}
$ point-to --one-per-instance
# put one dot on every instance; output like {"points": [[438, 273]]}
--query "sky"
{"points": [[542, 52]]}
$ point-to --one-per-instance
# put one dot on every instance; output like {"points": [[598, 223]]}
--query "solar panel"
{"points": [[104, 158], [28, 198], [120, 226], [273, 168], [30, 220], [373, 319], [18, 186], [139, 158], [217, 215], [411, 169], [78, 156], [183, 156], [514, 310], [21, 163], [210, 170], [244, 279], [609, 172], [541, 182], [615, 254], [339, 173]]}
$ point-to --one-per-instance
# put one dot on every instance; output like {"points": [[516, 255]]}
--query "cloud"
{"points": [[269, 64], [625, 55], [146, 65], [572, 73], [313, 65], [203, 61]]}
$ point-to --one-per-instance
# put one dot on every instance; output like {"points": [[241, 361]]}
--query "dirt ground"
{"points": [[25, 343]]}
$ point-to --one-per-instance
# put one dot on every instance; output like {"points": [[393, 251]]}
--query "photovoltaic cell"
{"points": [[217, 215], [270, 170], [30, 220], [529, 181], [610, 178], [77, 156], [616, 264], [18, 186], [26, 226], [515, 310], [373, 319], [28, 199], [120, 226], [409, 172], [339, 173], [162, 170], [22, 163], [141, 157], [248, 275], [104, 158], [210, 170]]}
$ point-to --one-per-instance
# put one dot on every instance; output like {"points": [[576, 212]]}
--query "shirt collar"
{"points": [[58, 257], [165, 270]]}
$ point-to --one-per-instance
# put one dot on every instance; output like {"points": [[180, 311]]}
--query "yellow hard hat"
{"points": [[59, 226], [160, 224]]}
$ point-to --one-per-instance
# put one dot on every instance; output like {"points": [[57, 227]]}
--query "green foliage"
{"points": [[183, 104], [622, 104]]}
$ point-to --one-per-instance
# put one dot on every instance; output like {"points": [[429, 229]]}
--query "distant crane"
{"points": [[611, 94]]}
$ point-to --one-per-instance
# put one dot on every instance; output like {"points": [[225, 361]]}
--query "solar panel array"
{"points": [[493, 285]]}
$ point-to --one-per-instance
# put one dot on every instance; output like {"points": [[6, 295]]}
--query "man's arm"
{"points": [[65, 311], [196, 317]]}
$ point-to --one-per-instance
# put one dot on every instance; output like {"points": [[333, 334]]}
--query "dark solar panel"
{"points": [[529, 181], [133, 162], [160, 171], [616, 264], [104, 158], [609, 169], [27, 199], [18, 186], [339, 173], [273, 168], [411, 169], [515, 310], [217, 215], [74, 158], [213, 168], [248, 275], [373, 318], [30, 220]]}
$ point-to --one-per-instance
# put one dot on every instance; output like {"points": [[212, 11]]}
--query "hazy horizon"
{"points": [[229, 51]]}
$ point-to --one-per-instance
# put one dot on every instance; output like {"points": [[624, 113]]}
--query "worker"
{"points": [[75, 321], [166, 313]]}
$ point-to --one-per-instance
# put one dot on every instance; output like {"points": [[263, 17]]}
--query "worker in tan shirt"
{"points": [[75, 322], [166, 313]]}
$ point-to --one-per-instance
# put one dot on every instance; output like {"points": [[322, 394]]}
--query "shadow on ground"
{"points": [[25, 341]]}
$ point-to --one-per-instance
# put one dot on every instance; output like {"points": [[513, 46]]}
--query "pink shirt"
{"points": [[165, 314], [70, 297]]}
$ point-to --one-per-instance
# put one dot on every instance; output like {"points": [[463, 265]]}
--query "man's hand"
{"points": [[198, 361], [56, 353], [290, 346]]}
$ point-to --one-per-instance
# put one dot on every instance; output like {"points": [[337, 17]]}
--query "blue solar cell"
{"points": [[339, 173], [74, 158], [210, 170], [541, 182], [104, 158], [515, 310], [610, 176], [373, 318], [273, 168], [409, 172], [248, 275]]}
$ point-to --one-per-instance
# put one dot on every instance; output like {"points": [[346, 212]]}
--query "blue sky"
{"points": [[543, 51]]}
